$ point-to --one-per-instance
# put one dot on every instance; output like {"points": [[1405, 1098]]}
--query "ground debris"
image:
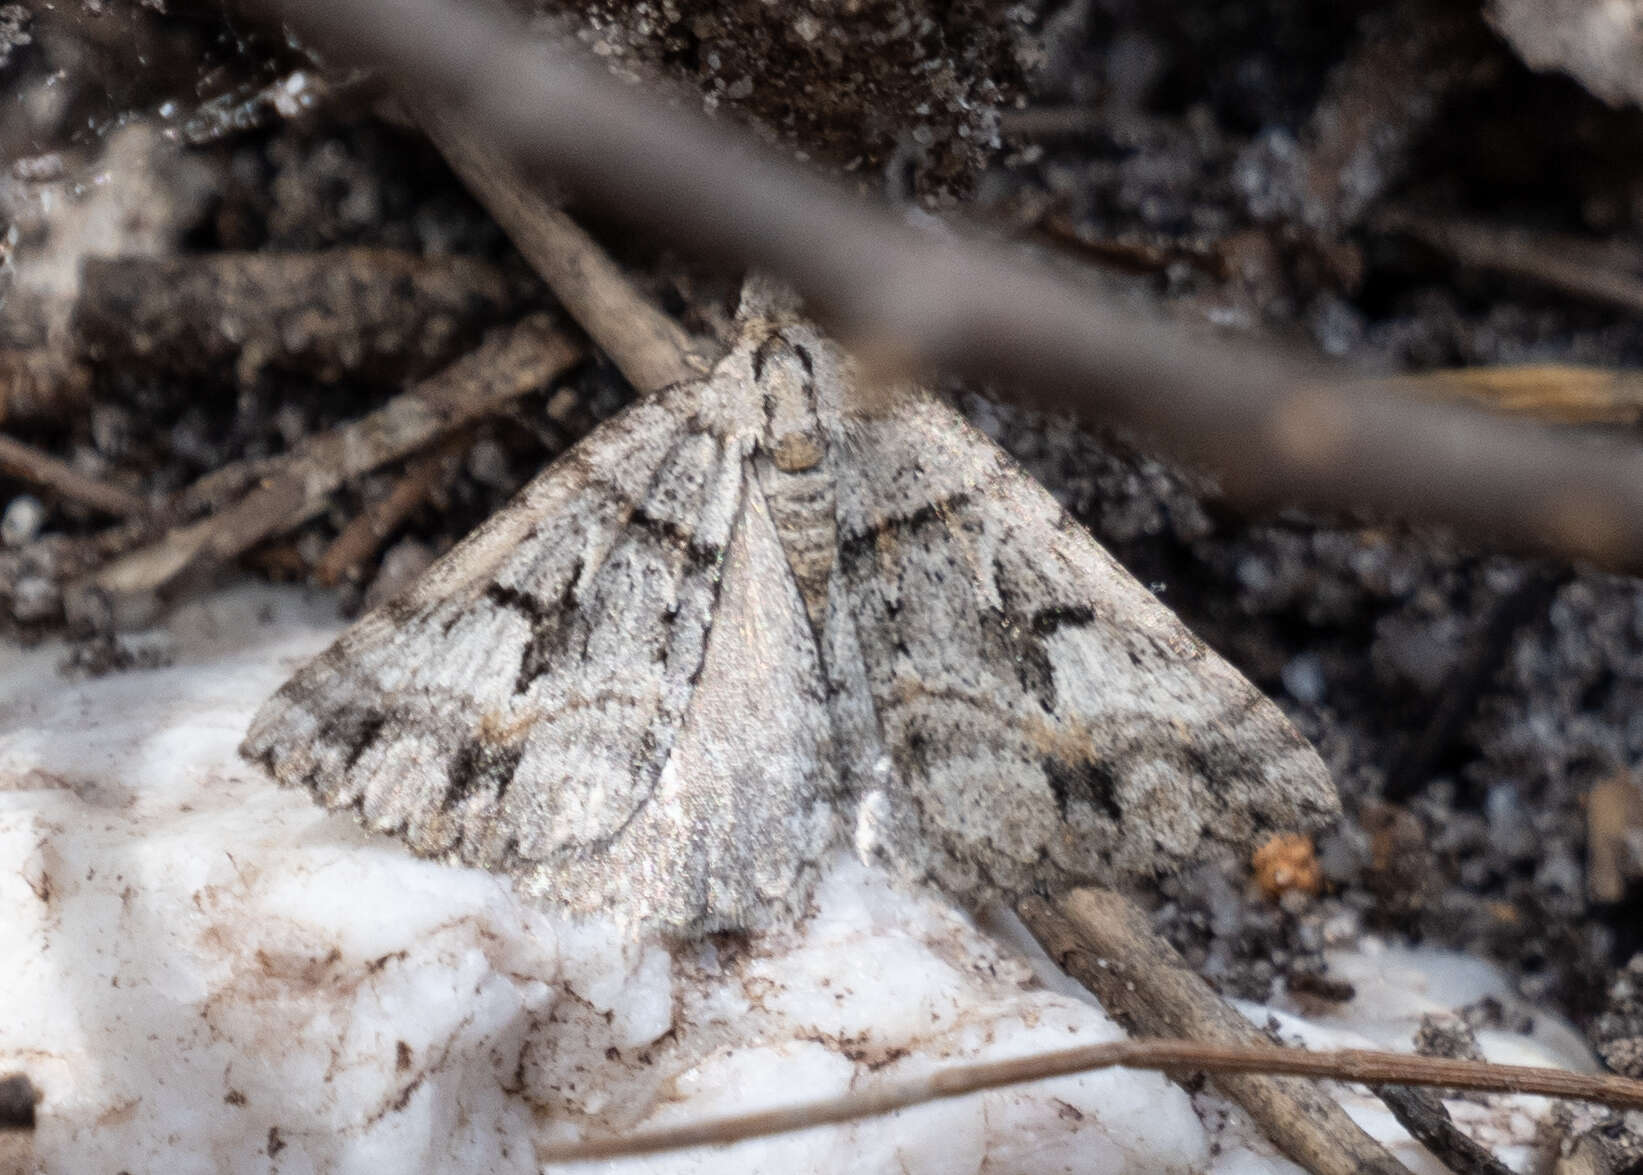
{"points": [[905, 89], [1192, 128]]}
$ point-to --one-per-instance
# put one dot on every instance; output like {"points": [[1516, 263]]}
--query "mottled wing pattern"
{"points": [[564, 695], [748, 610], [1039, 716]]}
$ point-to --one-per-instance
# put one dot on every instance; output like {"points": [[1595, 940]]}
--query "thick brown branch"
{"points": [[1273, 427]]}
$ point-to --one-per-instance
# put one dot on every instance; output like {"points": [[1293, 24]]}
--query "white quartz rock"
{"points": [[206, 973], [1597, 42]]}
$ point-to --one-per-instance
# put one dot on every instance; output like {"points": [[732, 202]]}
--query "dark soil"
{"points": [[1233, 163]]}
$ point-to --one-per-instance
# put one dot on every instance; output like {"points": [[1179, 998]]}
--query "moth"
{"points": [[757, 618]]}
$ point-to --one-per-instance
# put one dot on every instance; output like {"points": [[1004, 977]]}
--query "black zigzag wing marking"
{"points": [[413, 714]]}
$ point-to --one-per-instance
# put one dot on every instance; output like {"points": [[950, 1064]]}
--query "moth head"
{"points": [[766, 299]]}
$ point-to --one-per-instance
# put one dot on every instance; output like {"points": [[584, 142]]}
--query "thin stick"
{"points": [[222, 486], [360, 539], [508, 364], [1271, 426], [1101, 939], [1355, 1065], [1557, 393], [24, 461], [1422, 1113], [1570, 264], [647, 346]]}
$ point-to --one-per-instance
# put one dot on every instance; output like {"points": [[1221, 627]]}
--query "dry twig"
{"points": [[1420, 1112], [1100, 939], [1558, 393], [31, 465], [1573, 265], [1273, 427], [1614, 816], [648, 347], [1054, 122], [510, 363], [1232, 1062], [362, 536]]}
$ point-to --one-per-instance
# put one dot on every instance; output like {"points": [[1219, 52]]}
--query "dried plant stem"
{"points": [[383, 315], [1225, 1060], [360, 539], [1557, 393], [648, 347], [31, 465], [1579, 267], [1421, 1112], [1101, 939]]}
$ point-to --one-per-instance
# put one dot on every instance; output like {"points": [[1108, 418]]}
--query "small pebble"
{"points": [[21, 522], [1303, 677], [488, 464], [34, 598]]}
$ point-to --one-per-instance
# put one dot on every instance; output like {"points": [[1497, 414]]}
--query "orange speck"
{"points": [[1287, 863]]}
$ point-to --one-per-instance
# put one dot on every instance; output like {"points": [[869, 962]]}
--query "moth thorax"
{"points": [[785, 374], [795, 452], [793, 470]]}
